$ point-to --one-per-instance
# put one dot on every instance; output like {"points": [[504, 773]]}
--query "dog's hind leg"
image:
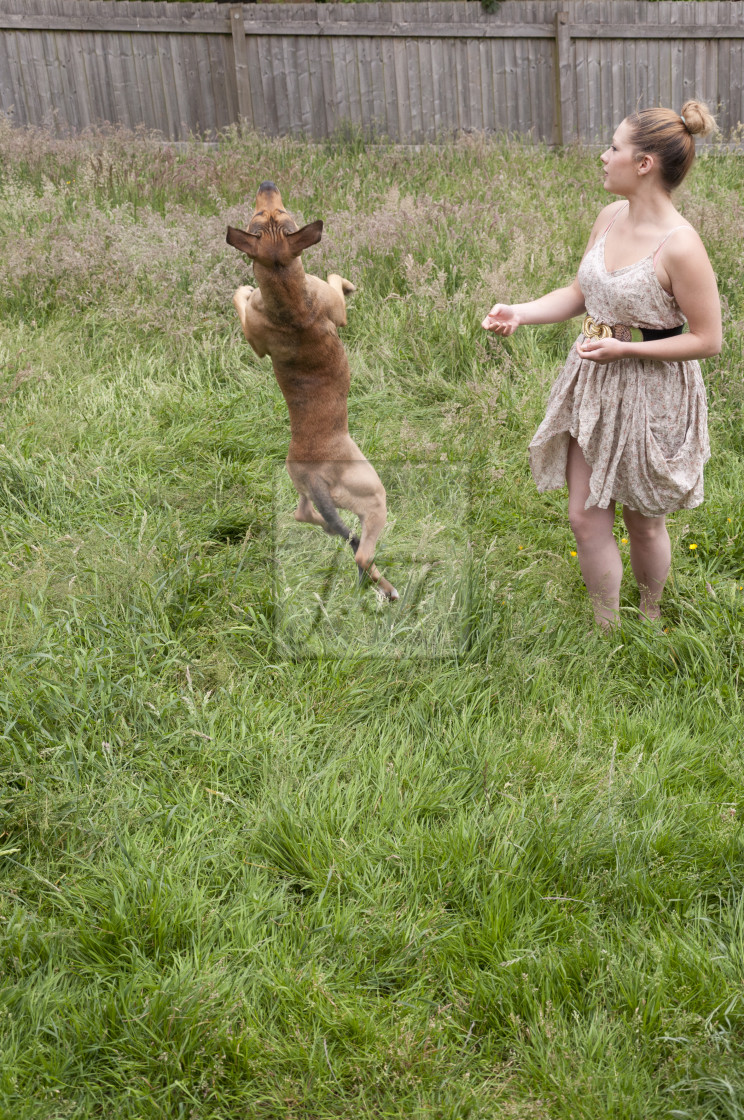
{"points": [[337, 304], [307, 513], [327, 514], [373, 522], [343, 286]]}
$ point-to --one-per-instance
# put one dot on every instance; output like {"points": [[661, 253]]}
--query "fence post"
{"points": [[242, 70], [564, 79]]}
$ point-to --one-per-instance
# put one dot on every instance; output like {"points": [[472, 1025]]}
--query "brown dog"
{"points": [[293, 317]]}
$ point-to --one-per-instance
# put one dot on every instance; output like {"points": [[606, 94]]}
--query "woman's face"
{"points": [[620, 163]]}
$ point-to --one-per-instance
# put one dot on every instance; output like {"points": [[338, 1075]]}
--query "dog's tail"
{"points": [[323, 502]]}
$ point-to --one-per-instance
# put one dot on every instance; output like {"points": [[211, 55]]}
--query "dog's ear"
{"points": [[303, 238], [245, 242]]}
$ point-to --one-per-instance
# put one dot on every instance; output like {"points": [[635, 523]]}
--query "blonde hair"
{"points": [[671, 137]]}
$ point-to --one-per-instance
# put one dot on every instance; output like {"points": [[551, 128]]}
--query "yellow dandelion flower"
{"points": [[693, 547], [573, 551], [521, 547], [623, 540]]}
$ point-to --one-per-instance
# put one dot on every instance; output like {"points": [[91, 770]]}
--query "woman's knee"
{"points": [[589, 525], [644, 530]]}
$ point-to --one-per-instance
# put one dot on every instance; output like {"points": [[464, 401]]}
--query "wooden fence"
{"points": [[558, 70]]}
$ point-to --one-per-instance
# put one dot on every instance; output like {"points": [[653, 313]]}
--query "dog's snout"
{"points": [[268, 197]]}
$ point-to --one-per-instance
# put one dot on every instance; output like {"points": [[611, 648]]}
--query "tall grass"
{"points": [[255, 870]]}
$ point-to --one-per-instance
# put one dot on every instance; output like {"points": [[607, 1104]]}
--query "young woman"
{"points": [[627, 418]]}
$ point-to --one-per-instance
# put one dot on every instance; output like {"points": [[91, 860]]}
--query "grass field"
{"points": [[270, 849]]}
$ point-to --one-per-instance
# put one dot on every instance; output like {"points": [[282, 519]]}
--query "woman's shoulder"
{"points": [[604, 219], [680, 243], [608, 213]]}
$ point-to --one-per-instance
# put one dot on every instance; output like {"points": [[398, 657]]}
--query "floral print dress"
{"points": [[642, 425]]}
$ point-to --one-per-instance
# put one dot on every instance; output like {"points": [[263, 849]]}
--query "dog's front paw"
{"points": [[245, 292]]}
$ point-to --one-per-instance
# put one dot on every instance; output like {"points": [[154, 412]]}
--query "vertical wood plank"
{"points": [[293, 62], [545, 51], [428, 84], [253, 44], [538, 105], [450, 99], [377, 99], [501, 107], [304, 88], [98, 75], [282, 92], [724, 91], [511, 83], [676, 52], [418, 50], [618, 108], [438, 124], [266, 64], [476, 118], [485, 63], [389, 76], [400, 64], [222, 77], [70, 107], [567, 79], [319, 124], [605, 74], [10, 101], [736, 85], [701, 52], [33, 76], [242, 65], [654, 54], [142, 55], [344, 57], [687, 15], [664, 76]]}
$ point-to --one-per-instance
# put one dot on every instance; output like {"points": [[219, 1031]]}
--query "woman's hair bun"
{"points": [[698, 118]]}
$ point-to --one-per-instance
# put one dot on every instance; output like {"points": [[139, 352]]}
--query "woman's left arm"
{"points": [[683, 269]]}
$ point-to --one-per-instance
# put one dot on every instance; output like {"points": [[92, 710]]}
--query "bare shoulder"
{"points": [[683, 255], [606, 214], [681, 242], [603, 219]]}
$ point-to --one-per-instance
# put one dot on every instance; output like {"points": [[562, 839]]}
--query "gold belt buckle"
{"points": [[592, 329]]}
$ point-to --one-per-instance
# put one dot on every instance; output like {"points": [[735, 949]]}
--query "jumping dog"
{"points": [[294, 318]]}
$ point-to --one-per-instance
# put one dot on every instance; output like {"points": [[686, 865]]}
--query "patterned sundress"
{"points": [[642, 425]]}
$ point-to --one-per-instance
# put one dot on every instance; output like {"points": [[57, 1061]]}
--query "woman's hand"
{"points": [[601, 350], [501, 319]]}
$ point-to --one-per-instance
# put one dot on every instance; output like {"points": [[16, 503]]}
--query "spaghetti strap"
{"points": [[661, 244], [614, 217]]}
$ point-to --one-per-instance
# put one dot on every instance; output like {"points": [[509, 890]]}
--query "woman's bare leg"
{"points": [[650, 558], [599, 557]]}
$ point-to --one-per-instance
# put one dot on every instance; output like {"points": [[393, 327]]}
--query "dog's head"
{"points": [[272, 237]]}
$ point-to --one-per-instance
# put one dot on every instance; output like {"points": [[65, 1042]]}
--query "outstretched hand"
{"points": [[501, 319]]}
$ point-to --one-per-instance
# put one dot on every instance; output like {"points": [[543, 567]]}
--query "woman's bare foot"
{"points": [[649, 609]]}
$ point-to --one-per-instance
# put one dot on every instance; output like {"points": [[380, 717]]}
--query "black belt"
{"points": [[651, 336]]}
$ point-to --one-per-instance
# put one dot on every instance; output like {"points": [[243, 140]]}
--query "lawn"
{"points": [[271, 848]]}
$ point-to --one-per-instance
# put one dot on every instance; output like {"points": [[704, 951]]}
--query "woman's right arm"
{"points": [[556, 306]]}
